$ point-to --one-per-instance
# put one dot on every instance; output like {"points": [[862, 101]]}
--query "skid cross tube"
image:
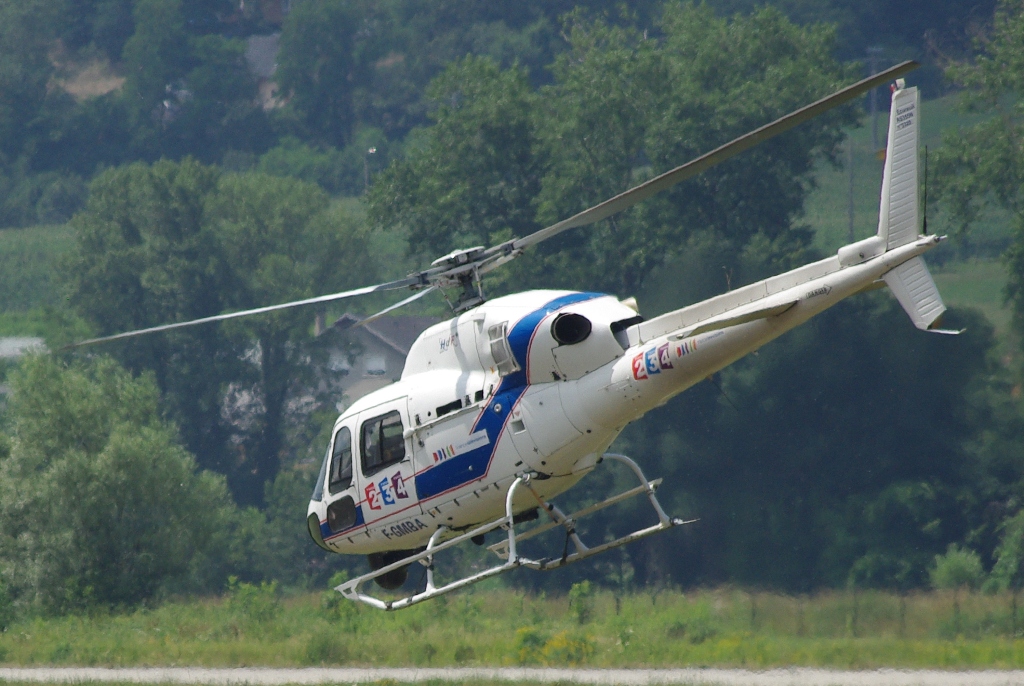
{"points": [[507, 548], [568, 522]]}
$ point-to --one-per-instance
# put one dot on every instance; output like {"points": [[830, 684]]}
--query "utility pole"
{"points": [[366, 168], [849, 194]]}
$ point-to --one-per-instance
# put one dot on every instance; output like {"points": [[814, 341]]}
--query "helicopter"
{"points": [[514, 400]]}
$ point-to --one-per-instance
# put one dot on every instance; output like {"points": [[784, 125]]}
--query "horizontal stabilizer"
{"points": [[915, 290], [717, 323]]}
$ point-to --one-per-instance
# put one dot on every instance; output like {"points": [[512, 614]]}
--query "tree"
{"points": [[189, 90], [280, 243], [474, 178], [155, 55], [501, 160], [180, 241], [318, 67], [146, 256], [958, 569], [625, 107], [985, 163], [98, 503], [27, 31], [834, 452], [863, 23]]}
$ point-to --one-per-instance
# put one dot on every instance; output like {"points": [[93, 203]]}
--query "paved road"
{"points": [[625, 677]]}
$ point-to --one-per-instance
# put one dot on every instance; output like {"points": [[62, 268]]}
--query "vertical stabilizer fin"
{"points": [[898, 218], [915, 290]]}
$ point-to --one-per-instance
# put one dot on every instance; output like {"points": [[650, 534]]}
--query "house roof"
{"points": [[398, 333], [261, 54]]}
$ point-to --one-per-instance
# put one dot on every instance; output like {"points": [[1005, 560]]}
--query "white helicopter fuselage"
{"points": [[538, 385], [492, 394]]}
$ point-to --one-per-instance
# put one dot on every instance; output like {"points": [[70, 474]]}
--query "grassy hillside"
{"points": [[505, 627]]}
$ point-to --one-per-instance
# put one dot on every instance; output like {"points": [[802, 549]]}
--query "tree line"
{"points": [[350, 76], [852, 451]]}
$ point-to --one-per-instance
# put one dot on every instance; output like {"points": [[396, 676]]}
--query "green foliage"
{"points": [[205, 632], [958, 568], [6, 606], [98, 503], [862, 24], [699, 626], [475, 175], [318, 67], [1008, 570], [503, 159], [564, 649], [28, 261], [252, 602], [325, 649], [27, 28], [529, 645], [581, 601], [176, 241], [983, 164]]}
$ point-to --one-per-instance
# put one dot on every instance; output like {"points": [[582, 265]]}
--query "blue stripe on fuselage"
{"points": [[462, 469]]}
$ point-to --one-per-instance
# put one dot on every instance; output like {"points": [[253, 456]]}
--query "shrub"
{"points": [[6, 609], [98, 502], [564, 649], [958, 568], [581, 601], [528, 648], [338, 607], [256, 603]]}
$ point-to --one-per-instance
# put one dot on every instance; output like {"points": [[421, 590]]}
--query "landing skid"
{"points": [[506, 549]]}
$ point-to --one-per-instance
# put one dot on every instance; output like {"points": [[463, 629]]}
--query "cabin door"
{"points": [[387, 486]]}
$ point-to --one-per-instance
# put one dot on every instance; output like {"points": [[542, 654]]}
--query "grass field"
{"points": [[28, 263], [503, 627]]}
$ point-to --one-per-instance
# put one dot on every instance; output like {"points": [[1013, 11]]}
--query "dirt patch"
{"points": [[90, 80]]}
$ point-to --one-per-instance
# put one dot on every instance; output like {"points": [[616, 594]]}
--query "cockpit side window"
{"points": [[318, 490], [341, 462], [382, 442], [501, 351]]}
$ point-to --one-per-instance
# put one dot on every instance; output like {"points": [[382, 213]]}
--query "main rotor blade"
{"points": [[400, 303], [391, 285], [645, 190]]}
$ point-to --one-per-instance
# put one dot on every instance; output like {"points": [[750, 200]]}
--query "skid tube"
{"points": [[507, 550]]}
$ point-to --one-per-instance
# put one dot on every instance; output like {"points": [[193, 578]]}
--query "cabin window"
{"points": [[501, 352], [453, 406], [341, 514], [341, 462], [382, 442]]}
